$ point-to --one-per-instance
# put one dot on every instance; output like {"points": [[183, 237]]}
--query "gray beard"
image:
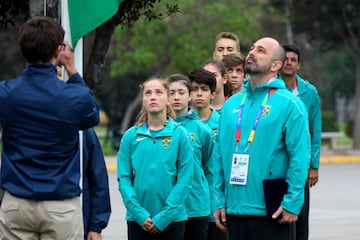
{"points": [[255, 69]]}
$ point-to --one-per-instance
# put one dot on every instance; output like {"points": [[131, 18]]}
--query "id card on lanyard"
{"points": [[240, 161]]}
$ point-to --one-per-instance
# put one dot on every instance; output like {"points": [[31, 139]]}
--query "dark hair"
{"points": [[39, 37], [292, 48], [201, 75], [180, 78], [233, 59]]}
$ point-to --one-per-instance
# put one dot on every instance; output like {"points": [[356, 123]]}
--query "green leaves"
{"points": [[181, 42]]}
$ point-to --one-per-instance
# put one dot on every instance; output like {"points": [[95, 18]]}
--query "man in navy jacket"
{"points": [[96, 198], [41, 117]]}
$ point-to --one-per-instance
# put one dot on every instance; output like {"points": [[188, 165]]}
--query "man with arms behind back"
{"points": [[309, 95]]}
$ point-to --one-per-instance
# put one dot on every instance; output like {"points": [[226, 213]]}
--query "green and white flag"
{"points": [[86, 15]]}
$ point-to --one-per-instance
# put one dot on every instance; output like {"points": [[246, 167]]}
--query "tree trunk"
{"points": [[130, 112], [356, 134], [289, 31]]}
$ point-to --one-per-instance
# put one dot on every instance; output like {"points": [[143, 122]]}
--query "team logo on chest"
{"points": [[215, 132], [192, 136], [165, 142], [265, 111]]}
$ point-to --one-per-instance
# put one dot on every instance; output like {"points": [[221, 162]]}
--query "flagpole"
{"points": [[78, 54]]}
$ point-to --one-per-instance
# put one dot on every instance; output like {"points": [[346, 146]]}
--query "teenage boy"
{"points": [[203, 85], [225, 43], [203, 91], [234, 65]]}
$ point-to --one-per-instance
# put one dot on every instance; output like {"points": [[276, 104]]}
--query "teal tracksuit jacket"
{"points": [[155, 171], [310, 97], [280, 149], [198, 202], [213, 122]]}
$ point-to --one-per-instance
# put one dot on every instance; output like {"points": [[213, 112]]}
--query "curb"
{"points": [[111, 168], [323, 160], [339, 159]]}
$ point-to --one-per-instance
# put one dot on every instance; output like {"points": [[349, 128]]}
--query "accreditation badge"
{"points": [[239, 169]]}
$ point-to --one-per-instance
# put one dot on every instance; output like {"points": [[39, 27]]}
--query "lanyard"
{"points": [[256, 122], [295, 88]]}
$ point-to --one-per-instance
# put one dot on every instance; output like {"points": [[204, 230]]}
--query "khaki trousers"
{"points": [[25, 219]]}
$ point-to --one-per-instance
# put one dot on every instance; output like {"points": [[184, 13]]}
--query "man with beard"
{"points": [[263, 128], [309, 95]]}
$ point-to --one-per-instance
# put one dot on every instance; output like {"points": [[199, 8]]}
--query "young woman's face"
{"points": [[179, 97], [220, 80], [155, 96]]}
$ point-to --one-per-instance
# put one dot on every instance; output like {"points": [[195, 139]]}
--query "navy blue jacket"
{"points": [[96, 197], [40, 117]]}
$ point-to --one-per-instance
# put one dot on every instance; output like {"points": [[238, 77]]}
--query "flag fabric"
{"points": [[86, 15]]}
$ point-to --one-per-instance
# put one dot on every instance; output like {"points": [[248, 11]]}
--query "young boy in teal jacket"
{"points": [[203, 85]]}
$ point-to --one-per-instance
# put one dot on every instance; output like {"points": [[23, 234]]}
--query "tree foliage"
{"points": [[339, 65], [131, 11], [175, 44], [181, 42], [10, 9], [333, 22]]}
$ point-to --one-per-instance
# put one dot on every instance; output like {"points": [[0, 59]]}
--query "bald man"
{"points": [[262, 127]]}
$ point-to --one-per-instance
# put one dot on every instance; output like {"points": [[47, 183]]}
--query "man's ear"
{"points": [[212, 95], [276, 66], [57, 50]]}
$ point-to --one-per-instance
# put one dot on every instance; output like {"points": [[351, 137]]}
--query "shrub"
{"points": [[329, 122], [349, 129]]}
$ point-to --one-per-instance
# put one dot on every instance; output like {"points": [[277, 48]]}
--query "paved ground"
{"points": [[334, 205], [334, 202]]}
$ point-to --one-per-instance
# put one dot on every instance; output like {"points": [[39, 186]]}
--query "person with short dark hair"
{"points": [[203, 85], [203, 91], [41, 118], [308, 93]]}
